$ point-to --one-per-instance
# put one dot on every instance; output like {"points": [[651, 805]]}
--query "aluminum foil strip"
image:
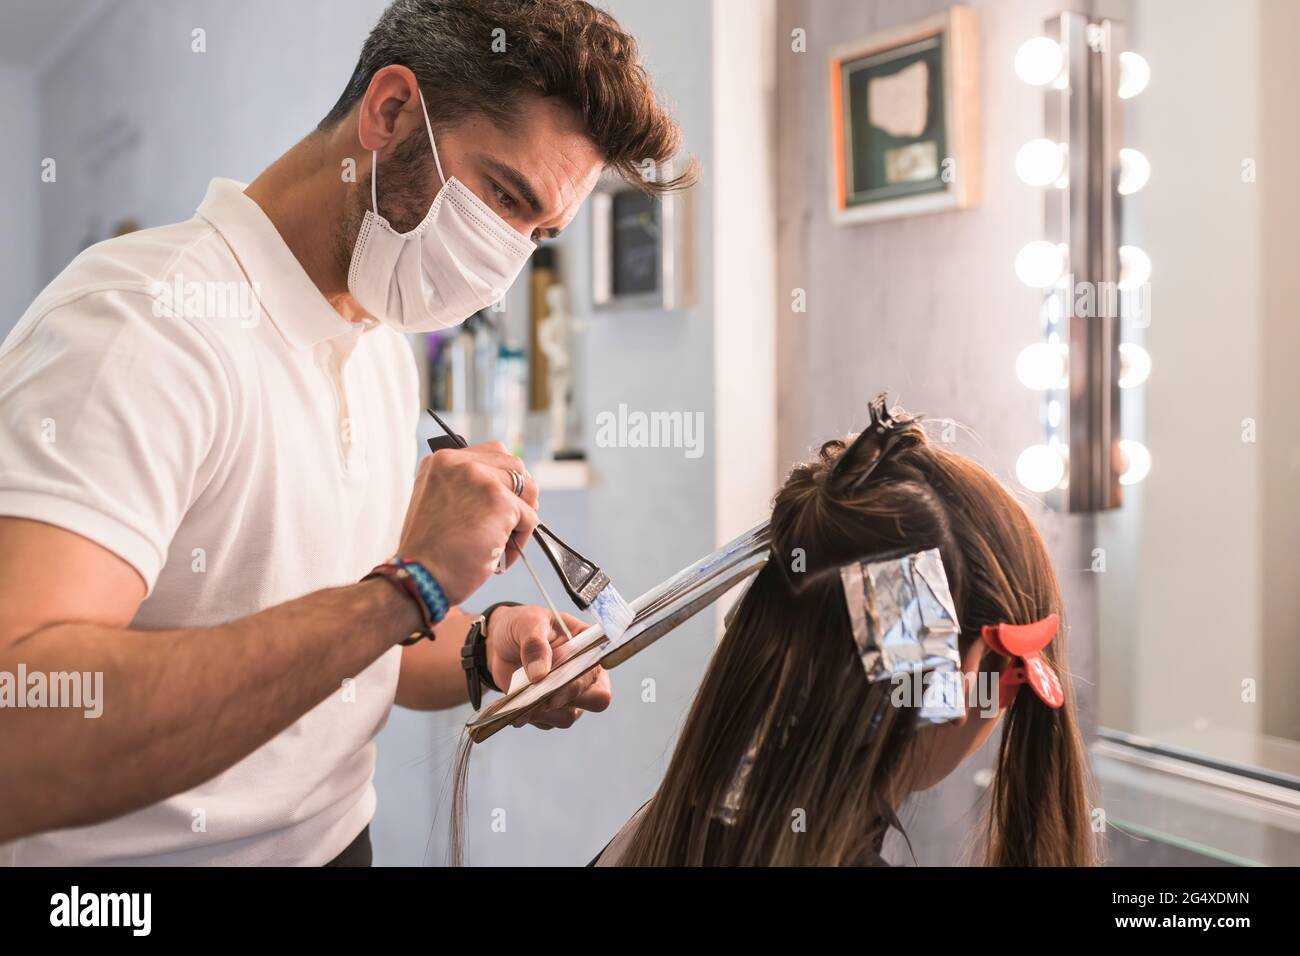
{"points": [[905, 623]]}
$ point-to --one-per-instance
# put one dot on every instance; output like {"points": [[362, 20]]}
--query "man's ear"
{"points": [[392, 91]]}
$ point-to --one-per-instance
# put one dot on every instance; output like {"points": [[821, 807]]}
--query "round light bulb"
{"points": [[1136, 463], [1040, 468], [1134, 365], [1134, 171], [1041, 366], [1039, 264], [1134, 75], [1134, 268], [1039, 61], [1040, 162]]}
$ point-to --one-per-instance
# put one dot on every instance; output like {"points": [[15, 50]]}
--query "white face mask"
{"points": [[461, 258]]}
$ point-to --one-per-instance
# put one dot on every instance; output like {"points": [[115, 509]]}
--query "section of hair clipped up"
{"points": [[887, 430]]}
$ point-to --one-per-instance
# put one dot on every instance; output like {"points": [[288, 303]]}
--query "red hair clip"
{"points": [[1026, 641]]}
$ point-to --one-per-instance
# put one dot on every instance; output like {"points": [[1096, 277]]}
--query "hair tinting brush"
{"points": [[588, 586], [658, 612]]}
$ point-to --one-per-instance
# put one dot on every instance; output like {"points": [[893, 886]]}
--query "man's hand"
{"points": [[529, 637], [463, 512]]}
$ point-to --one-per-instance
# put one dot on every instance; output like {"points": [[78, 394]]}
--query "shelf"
{"points": [[552, 475]]}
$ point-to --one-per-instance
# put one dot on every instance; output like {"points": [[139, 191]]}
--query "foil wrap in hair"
{"points": [[729, 810], [905, 625]]}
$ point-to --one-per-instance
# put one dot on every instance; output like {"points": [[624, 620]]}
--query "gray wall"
{"points": [[928, 308], [139, 124], [20, 186]]}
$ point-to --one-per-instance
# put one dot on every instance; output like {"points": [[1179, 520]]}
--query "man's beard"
{"points": [[406, 191]]}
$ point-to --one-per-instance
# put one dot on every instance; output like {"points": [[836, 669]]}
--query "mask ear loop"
{"points": [[374, 177], [374, 158], [429, 126]]}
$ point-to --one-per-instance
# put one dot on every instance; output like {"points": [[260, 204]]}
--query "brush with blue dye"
{"points": [[588, 586]]}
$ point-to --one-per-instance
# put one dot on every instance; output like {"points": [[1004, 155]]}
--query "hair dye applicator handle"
{"points": [[580, 577]]}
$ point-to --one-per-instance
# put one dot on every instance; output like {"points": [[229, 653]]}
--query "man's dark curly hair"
{"points": [[480, 56]]}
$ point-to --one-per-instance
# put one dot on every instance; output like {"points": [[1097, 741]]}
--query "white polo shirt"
{"points": [[185, 397]]}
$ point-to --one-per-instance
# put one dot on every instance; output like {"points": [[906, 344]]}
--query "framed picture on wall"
{"points": [[904, 112], [642, 247]]}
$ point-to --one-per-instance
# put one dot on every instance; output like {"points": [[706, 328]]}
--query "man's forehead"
{"points": [[544, 148]]}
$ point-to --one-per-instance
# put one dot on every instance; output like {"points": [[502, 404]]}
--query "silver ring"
{"points": [[519, 483]]}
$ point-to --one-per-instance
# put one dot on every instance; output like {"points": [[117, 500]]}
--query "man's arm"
{"points": [[182, 705], [178, 706], [431, 677]]}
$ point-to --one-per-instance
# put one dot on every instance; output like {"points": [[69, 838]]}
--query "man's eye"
{"points": [[506, 200]]}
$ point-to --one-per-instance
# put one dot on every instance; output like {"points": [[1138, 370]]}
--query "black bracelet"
{"points": [[473, 656]]}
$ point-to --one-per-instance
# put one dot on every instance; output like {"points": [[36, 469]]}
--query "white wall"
{"points": [[1200, 510], [1216, 511], [744, 263], [1198, 526]]}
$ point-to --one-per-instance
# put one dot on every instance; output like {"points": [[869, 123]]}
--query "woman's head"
{"points": [[790, 755]]}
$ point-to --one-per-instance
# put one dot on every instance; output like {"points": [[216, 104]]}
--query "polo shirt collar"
{"points": [[287, 295]]}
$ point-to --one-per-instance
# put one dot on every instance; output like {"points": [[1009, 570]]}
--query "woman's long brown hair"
{"points": [[829, 755]]}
